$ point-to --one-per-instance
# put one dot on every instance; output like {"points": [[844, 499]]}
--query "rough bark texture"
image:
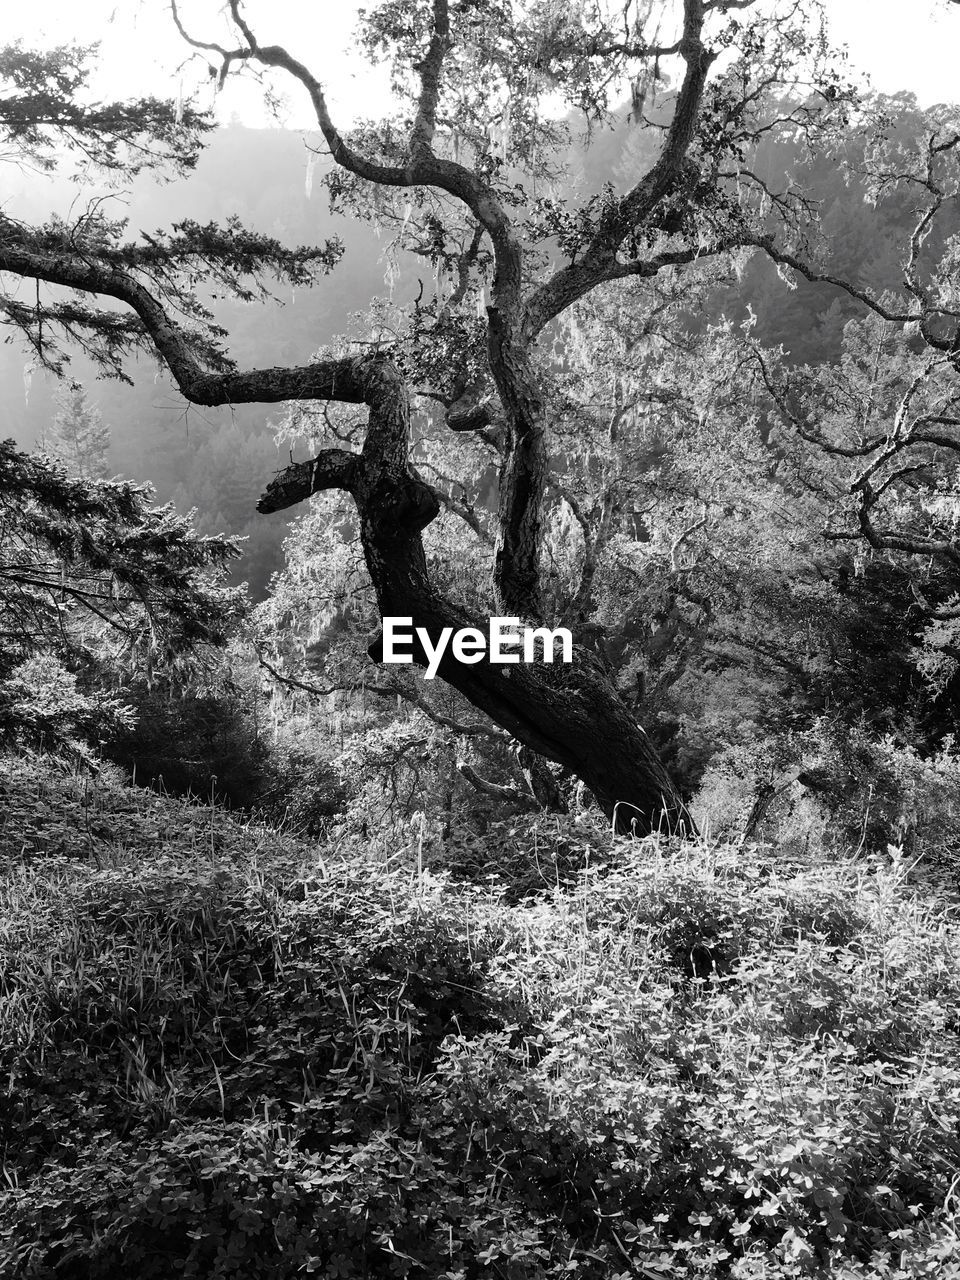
{"points": [[569, 713], [523, 475], [543, 785]]}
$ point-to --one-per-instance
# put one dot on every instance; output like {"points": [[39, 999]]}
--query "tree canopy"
{"points": [[466, 175]]}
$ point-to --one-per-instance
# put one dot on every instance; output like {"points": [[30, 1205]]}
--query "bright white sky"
{"points": [[913, 46]]}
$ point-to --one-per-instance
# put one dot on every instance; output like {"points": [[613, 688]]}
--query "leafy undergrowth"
{"points": [[225, 1055]]}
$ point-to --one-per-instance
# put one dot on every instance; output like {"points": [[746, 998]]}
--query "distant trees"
{"points": [[78, 436], [467, 176], [224, 467]]}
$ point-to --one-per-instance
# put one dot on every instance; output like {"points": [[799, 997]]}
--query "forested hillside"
{"points": [[215, 460], [480, 659]]}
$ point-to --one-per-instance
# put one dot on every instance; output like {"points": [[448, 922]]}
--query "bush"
{"points": [[832, 788], [228, 1057], [43, 705], [305, 793], [524, 856], [205, 744]]}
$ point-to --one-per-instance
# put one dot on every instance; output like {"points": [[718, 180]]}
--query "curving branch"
{"points": [[599, 262], [331, 469], [785, 259], [338, 379], [496, 791]]}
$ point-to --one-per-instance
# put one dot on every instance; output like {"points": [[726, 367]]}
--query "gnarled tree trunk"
{"points": [[570, 713]]}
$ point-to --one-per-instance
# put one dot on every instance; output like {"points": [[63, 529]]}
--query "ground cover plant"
{"points": [[227, 1053]]}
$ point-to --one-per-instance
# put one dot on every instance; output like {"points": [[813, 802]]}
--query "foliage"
{"points": [[42, 703], [305, 793], [523, 857], [229, 1056], [78, 437], [204, 740], [43, 112], [835, 786], [94, 577]]}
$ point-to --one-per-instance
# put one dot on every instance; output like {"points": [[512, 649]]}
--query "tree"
{"points": [[78, 436], [93, 579], [885, 415], [460, 174]]}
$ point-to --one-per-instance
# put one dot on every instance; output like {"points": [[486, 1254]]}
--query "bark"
{"points": [[509, 795], [543, 785], [523, 474], [569, 713], [766, 793]]}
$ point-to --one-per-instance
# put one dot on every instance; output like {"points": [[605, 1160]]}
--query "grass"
{"points": [[226, 1053]]}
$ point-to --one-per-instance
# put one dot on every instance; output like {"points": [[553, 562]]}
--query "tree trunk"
{"points": [[570, 713], [523, 475], [543, 785]]}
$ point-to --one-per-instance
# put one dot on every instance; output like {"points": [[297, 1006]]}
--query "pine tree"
{"points": [[95, 579], [78, 436], [89, 563]]}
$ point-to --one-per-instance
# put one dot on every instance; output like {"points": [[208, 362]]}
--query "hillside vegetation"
{"points": [[394, 976], [230, 1053]]}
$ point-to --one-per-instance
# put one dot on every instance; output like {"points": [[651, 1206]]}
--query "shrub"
{"points": [[194, 742], [230, 1057], [44, 705], [305, 793], [524, 856], [833, 788]]}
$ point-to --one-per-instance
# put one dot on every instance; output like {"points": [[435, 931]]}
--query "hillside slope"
{"points": [[226, 1053]]}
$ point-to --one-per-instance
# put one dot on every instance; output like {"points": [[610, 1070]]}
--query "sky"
{"points": [[141, 49]]}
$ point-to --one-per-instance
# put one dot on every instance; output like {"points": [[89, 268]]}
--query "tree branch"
{"points": [[425, 123], [513, 795], [765, 243], [331, 469], [599, 262]]}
